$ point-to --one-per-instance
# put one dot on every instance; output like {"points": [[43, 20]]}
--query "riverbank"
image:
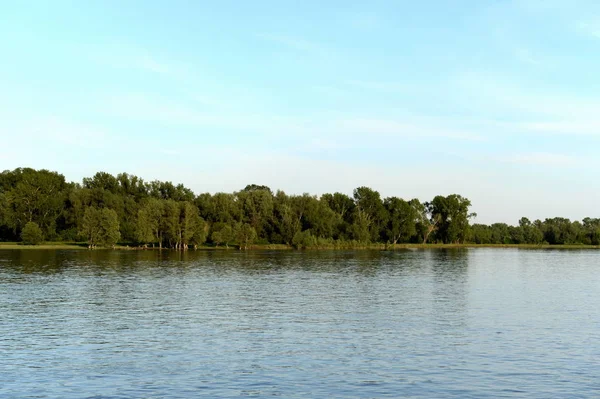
{"points": [[283, 247]]}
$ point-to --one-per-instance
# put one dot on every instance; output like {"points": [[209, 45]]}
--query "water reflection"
{"points": [[416, 323], [450, 274]]}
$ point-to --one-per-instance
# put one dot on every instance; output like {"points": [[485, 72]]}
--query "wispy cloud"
{"points": [[296, 43], [121, 57], [524, 55], [364, 20], [319, 129], [394, 128], [185, 114], [150, 64], [380, 86], [541, 158], [589, 28], [60, 131], [331, 91], [530, 109], [590, 127]]}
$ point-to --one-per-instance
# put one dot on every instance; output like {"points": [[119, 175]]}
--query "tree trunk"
{"points": [[429, 231]]}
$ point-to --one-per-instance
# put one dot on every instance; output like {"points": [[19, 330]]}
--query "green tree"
{"points": [[256, 205], [453, 214], [37, 196], [149, 222], [218, 208], [560, 231], [591, 230], [245, 235], [304, 240], [223, 234], [427, 221], [170, 222], [168, 191], [191, 228], [369, 214], [32, 234], [5, 231], [287, 217], [401, 220], [481, 234], [500, 233], [341, 204], [100, 227], [321, 220]]}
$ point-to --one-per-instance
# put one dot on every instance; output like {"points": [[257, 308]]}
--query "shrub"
{"points": [[32, 234], [304, 239]]}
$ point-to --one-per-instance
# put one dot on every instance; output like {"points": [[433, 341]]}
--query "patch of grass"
{"points": [[45, 245]]}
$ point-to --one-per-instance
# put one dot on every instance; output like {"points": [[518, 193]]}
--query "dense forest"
{"points": [[39, 205]]}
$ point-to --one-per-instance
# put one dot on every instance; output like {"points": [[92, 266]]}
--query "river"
{"points": [[439, 323]]}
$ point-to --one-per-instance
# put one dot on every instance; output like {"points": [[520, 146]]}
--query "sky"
{"points": [[495, 100]]}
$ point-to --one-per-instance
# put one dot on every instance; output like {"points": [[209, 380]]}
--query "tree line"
{"points": [[40, 205]]}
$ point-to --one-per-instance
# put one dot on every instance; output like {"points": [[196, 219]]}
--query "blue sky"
{"points": [[495, 100]]}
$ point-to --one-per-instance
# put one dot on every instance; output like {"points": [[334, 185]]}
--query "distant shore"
{"points": [[282, 247]]}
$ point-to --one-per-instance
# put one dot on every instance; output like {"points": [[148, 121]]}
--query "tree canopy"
{"points": [[37, 205]]}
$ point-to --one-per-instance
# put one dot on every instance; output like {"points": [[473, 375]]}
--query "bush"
{"points": [[32, 234], [304, 240]]}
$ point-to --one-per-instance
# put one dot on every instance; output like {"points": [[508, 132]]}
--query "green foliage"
{"points": [[246, 235], [223, 234], [256, 205], [304, 240], [100, 227], [107, 208], [359, 229], [149, 221], [36, 196], [401, 220], [369, 215], [590, 231], [32, 234], [452, 214]]}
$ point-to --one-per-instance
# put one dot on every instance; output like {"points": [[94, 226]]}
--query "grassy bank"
{"points": [[46, 245], [380, 247]]}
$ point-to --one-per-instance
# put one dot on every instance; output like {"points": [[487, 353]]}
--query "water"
{"points": [[476, 323]]}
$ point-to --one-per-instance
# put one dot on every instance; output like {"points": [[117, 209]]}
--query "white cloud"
{"points": [[123, 57], [381, 86], [542, 158], [590, 127], [394, 128], [526, 56], [290, 41], [589, 28], [532, 110], [363, 20], [142, 107], [45, 130]]}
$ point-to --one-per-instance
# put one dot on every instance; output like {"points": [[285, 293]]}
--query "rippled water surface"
{"points": [[472, 323]]}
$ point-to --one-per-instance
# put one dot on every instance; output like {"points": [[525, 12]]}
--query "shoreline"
{"points": [[283, 247]]}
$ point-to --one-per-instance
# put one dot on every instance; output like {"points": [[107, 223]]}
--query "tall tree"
{"points": [[427, 221], [369, 213], [257, 208], [401, 221], [38, 196], [245, 235], [149, 222], [100, 227], [453, 214], [223, 234], [191, 227]]}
